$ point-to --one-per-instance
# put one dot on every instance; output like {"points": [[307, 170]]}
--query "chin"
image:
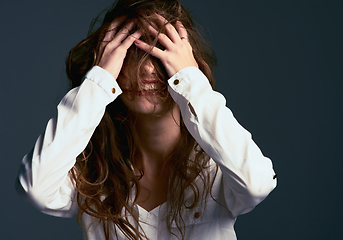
{"points": [[141, 105]]}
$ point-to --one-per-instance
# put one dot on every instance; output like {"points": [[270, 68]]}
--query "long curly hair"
{"points": [[107, 186]]}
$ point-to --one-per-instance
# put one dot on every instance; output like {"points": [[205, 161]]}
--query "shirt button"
{"points": [[176, 81], [197, 215], [113, 90], [274, 176]]}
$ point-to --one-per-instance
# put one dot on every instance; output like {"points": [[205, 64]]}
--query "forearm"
{"points": [[248, 175], [43, 175]]}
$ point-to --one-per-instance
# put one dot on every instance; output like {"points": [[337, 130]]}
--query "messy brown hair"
{"points": [[103, 173]]}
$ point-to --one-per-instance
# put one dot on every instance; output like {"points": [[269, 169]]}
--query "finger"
{"points": [[124, 32], [170, 29], [130, 39], [154, 51], [112, 29], [110, 32], [182, 32], [162, 38], [120, 35]]}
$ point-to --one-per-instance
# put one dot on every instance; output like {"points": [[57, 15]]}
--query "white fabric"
{"points": [[244, 179]]}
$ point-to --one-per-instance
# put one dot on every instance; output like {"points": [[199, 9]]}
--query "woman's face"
{"points": [[146, 101]]}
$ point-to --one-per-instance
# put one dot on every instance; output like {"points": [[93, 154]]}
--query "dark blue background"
{"points": [[279, 67]]}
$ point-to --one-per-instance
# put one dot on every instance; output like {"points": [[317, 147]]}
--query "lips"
{"points": [[149, 87], [150, 80], [144, 93], [147, 90]]}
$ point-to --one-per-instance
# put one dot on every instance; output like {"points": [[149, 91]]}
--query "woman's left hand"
{"points": [[178, 52]]}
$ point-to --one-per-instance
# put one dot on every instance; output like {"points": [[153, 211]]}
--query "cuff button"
{"points": [[176, 81], [113, 90], [196, 215]]}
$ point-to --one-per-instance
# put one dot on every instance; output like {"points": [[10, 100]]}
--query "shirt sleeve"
{"points": [[43, 175], [248, 176]]}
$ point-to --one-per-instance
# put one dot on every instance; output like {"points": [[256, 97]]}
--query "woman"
{"points": [[143, 147]]}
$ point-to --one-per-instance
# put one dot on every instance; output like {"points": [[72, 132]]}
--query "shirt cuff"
{"points": [[185, 76], [105, 80], [187, 79]]}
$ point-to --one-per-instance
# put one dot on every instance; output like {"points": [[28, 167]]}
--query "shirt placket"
{"points": [[149, 222]]}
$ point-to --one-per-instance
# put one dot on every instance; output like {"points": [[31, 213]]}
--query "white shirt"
{"points": [[244, 179]]}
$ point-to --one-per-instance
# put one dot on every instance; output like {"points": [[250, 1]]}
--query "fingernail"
{"points": [[137, 42]]}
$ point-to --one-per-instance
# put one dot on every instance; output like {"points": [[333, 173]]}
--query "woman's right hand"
{"points": [[115, 44]]}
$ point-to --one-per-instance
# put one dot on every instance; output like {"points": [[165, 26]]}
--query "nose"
{"points": [[148, 68]]}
